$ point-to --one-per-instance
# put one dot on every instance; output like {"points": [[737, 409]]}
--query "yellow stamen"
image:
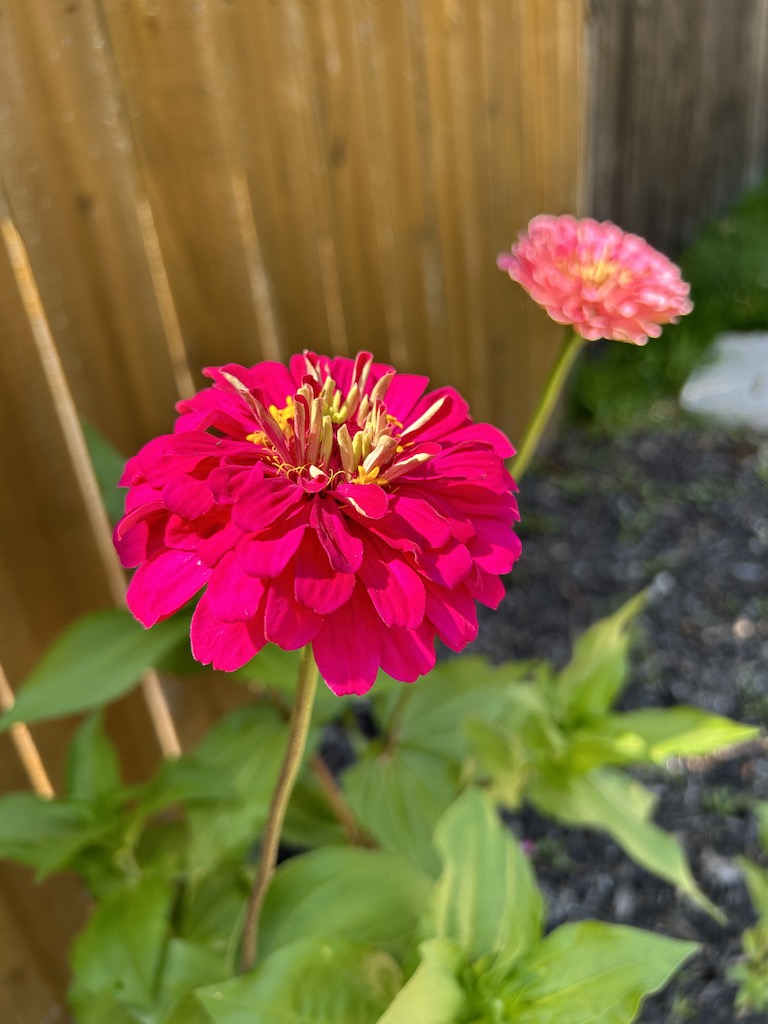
{"points": [[366, 476]]}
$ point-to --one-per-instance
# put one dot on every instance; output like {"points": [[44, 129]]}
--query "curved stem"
{"points": [[301, 716], [541, 417], [338, 804]]}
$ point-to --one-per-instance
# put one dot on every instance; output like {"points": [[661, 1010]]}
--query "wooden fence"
{"points": [[189, 182], [678, 111]]}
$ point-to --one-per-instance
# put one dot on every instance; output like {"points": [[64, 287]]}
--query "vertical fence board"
{"points": [[68, 168], [677, 121]]}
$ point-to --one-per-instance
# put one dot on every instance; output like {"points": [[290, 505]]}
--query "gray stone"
{"points": [[733, 387]]}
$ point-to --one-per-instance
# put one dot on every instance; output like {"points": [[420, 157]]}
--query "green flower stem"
{"points": [[541, 417], [301, 716]]}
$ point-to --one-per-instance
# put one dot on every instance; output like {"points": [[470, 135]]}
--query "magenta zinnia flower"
{"points": [[333, 503], [603, 281]]}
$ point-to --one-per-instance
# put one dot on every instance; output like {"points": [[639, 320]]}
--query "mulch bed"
{"points": [[684, 508]]}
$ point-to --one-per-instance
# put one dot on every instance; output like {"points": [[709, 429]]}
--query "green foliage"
{"points": [[97, 659], [108, 465], [502, 921], [441, 924], [724, 266], [528, 733], [751, 972], [311, 981], [592, 973], [368, 896]]}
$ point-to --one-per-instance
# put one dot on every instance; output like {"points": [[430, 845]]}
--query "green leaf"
{"points": [[45, 834], [622, 807], [94, 661], [499, 758], [345, 893], [486, 899], [120, 952], [213, 910], [757, 885], [108, 465], [595, 675], [186, 966], [308, 982], [93, 768], [674, 732], [225, 785], [398, 797], [310, 822], [436, 708], [241, 756], [592, 973], [432, 995]]}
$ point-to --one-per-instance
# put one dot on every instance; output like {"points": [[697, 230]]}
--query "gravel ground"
{"points": [[687, 507]]}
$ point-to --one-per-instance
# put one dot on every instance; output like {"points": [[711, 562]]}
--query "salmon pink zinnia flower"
{"points": [[333, 503], [603, 281]]}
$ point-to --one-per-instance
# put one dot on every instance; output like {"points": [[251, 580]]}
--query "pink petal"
{"points": [[423, 517], [497, 547], [261, 502], [140, 542], [162, 584], [408, 653], [213, 545], [317, 584], [348, 645], [404, 392], [225, 645], [267, 556], [345, 552], [187, 497], [448, 566], [397, 592], [453, 614], [368, 500], [485, 588], [234, 595], [288, 623]]}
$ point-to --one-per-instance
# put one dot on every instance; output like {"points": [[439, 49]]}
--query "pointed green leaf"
{"points": [[121, 949], [592, 973], [344, 893], [433, 995], [186, 966], [595, 675], [240, 756], [453, 691], [94, 661], [308, 982], [93, 768], [45, 834], [486, 899], [622, 807], [757, 885], [398, 797], [310, 821], [657, 734]]}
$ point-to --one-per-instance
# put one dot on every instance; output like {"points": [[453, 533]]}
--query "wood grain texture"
{"points": [[235, 180], [678, 123]]}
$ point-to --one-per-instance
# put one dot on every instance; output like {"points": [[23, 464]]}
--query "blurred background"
{"points": [[193, 182]]}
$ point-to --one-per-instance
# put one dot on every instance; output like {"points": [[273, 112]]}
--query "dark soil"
{"points": [[686, 509]]}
